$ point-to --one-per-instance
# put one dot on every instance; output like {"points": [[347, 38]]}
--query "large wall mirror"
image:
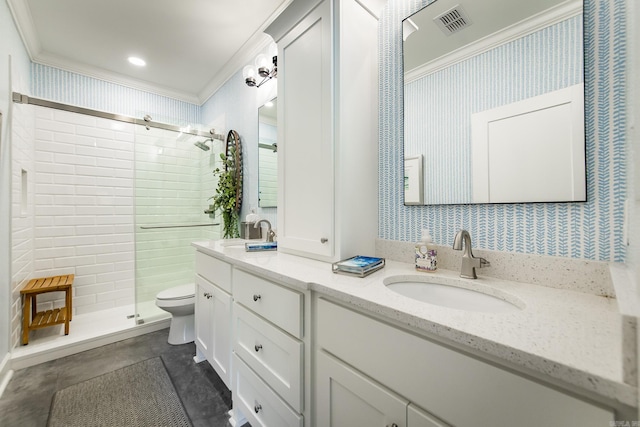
{"points": [[494, 102], [268, 155]]}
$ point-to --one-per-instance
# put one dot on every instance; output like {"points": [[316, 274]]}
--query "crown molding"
{"points": [[246, 55], [24, 24]]}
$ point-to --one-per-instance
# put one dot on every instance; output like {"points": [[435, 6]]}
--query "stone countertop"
{"points": [[561, 336]]}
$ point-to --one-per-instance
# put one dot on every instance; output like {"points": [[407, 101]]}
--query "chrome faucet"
{"points": [[270, 233], [469, 262]]}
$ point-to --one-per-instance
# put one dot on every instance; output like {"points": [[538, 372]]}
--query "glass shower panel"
{"points": [[173, 182]]}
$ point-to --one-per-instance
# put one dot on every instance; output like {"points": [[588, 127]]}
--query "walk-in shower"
{"points": [[116, 201]]}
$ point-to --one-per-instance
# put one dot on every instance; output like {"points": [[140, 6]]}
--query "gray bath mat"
{"points": [[139, 395]]}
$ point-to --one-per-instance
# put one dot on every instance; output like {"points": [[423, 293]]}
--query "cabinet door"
{"points": [[221, 334], [345, 397], [213, 327], [305, 138], [203, 323]]}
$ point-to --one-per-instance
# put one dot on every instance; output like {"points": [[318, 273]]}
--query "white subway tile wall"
{"points": [[22, 231], [84, 207]]}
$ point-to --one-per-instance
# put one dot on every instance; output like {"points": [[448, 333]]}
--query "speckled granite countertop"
{"points": [[562, 336]]}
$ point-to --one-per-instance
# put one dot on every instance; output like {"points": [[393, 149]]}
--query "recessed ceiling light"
{"points": [[137, 61]]}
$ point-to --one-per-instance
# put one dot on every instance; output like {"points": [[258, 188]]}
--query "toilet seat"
{"points": [[177, 293]]}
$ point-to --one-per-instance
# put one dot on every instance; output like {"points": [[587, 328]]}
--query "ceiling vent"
{"points": [[453, 20]]}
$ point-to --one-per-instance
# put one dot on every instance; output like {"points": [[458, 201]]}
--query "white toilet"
{"points": [[180, 302]]}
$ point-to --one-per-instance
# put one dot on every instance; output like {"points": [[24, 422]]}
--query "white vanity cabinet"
{"points": [[268, 352], [328, 131], [396, 377], [213, 314]]}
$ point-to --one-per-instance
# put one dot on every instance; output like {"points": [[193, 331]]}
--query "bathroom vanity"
{"points": [[312, 348]]}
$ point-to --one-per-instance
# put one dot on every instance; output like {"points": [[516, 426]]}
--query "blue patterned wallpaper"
{"points": [[75, 89], [438, 111], [591, 230]]}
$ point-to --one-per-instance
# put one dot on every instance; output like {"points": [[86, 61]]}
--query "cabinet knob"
{"points": [[392, 425], [324, 240], [258, 407], [256, 297], [207, 295], [258, 347]]}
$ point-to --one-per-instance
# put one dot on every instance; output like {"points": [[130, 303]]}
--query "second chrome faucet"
{"points": [[469, 262]]}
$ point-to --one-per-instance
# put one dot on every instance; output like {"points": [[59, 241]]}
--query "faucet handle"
{"points": [[484, 263]]}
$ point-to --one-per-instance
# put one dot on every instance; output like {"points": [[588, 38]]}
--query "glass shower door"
{"points": [[173, 182]]}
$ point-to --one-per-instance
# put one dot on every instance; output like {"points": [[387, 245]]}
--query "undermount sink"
{"points": [[447, 293]]}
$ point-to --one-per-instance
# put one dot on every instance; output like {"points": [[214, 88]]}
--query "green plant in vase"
{"points": [[225, 199]]}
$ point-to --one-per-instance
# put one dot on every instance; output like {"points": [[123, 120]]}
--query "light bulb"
{"points": [[261, 61], [263, 65], [249, 74]]}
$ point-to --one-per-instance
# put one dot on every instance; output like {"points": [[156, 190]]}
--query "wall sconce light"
{"points": [[261, 69]]}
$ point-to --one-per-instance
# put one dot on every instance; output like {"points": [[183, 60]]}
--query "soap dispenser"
{"points": [[247, 229], [426, 254]]}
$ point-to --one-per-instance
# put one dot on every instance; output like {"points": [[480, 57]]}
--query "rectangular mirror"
{"points": [[268, 155], [494, 101]]}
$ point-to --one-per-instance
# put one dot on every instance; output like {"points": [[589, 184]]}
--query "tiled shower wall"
{"points": [[593, 230], [22, 211], [78, 216]]}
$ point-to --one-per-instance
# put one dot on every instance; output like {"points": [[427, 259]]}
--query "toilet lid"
{"points": [[178, 292]]}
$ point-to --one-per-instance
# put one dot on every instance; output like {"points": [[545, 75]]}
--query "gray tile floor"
{"points": [[27, 399]]}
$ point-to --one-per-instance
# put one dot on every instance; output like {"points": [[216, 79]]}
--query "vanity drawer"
{"points": [[261, 406], [277, 304], [275, 356], [216, 271]]}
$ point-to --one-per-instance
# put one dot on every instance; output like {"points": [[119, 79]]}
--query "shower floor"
{"points": [[89, 331]]}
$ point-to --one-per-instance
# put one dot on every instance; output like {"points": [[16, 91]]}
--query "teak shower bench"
{"points": [[35, 320]]}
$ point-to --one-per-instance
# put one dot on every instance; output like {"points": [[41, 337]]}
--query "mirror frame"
{"points": [[233, 141]]}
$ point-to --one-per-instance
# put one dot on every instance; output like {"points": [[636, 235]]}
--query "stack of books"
{"points": [[358, 265]]}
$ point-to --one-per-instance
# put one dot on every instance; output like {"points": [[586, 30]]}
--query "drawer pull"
{"points": [[256, 297], [258, 347], [324, 240], [258, 408]]}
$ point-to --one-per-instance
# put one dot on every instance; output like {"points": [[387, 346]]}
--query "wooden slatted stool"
{"points": [[35, 320]]}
